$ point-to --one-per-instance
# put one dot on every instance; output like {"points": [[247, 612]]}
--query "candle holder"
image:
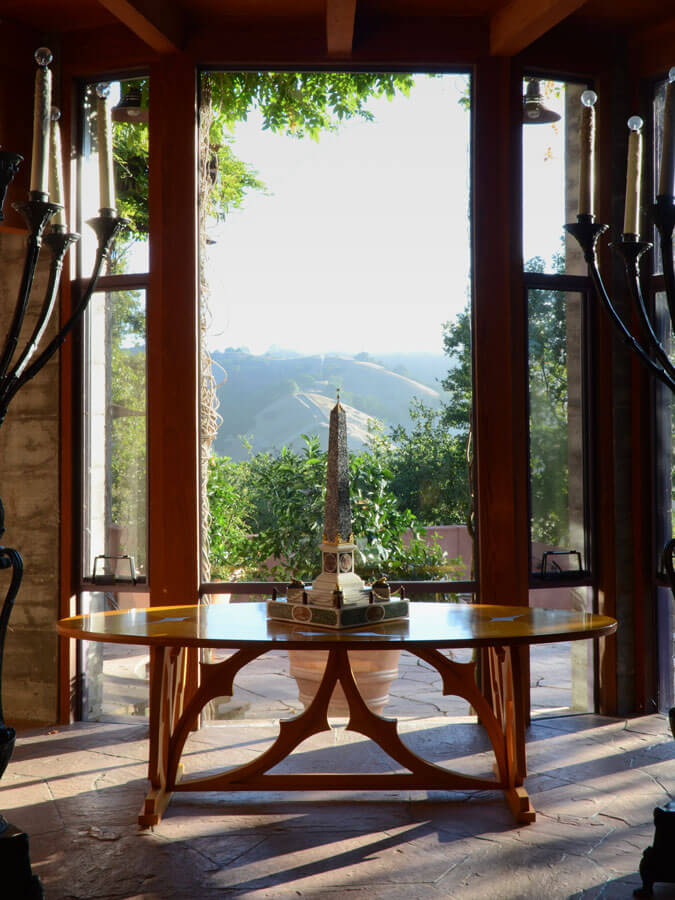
{"points": [[16, 370], [648, 348], [657, 861]]}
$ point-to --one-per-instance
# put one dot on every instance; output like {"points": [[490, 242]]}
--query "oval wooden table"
{"points": [[244, 627]]}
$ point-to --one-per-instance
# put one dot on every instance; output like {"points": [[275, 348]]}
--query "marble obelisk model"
{"points": [[337, 547], [338, 598]]}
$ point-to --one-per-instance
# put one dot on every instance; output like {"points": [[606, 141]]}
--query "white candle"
{"points": [[39, 174], [667, 173], [633, 176], [105, 154], [587, 154], [56, 169]]}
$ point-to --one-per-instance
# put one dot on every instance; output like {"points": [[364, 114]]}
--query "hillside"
{"points": [[272, 400]]}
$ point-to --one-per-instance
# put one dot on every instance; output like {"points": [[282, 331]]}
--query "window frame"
{"points": [[140, 281], [411, 588]]}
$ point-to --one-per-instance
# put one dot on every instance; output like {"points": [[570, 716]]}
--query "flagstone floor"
{"points": [[594, 782]]}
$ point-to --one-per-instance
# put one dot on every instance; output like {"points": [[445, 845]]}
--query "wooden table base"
{"points": [[171, 721]]}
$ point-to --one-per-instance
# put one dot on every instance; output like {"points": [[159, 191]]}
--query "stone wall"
{"points": [[29, 487]]}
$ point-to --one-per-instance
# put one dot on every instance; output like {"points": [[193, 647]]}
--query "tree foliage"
{"points": [[125, 311], [270, 518], [547, 353], [549, 452], [429, 469], [297, 104]]}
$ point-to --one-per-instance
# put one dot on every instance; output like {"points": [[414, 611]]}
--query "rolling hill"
{"points": [[273, 399]]}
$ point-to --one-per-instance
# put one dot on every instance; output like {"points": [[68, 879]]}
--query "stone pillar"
{"points": [[29, 487]]}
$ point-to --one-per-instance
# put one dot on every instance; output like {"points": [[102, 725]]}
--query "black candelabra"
{"points": [[657, 861], [19, 365], [648, 347]]}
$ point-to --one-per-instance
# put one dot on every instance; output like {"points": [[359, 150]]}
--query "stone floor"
{"points": [[594, 783]]}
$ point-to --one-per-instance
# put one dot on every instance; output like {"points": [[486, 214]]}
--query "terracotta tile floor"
{"points": [[594, 783]]}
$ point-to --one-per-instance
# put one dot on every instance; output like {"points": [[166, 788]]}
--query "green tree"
{"points": [[549, 466], [458, 383], [300, 105], [283, 506], [547, 350], [228, 494], [125, 312], [428, 461]]}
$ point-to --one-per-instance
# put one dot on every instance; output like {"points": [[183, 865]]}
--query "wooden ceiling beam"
{"points": [[158, 23], [520, 22], [340, 16]]}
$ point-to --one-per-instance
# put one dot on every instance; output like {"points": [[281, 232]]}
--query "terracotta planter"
{"points": [[374, 671]]}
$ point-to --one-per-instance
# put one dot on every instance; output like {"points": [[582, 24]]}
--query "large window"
{"points": [[113, 534], [664, 427], [339, 263], [556, 289]]}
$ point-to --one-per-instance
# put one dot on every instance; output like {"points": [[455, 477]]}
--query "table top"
{"points": [[240, 625]]}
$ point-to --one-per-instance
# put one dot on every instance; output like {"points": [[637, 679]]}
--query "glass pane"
{"points": [[114, 431], [551, 179], [555, 343], [130, 166], [658, 111], [115, 682], [664, 466], [561, 675], [338, 263]]}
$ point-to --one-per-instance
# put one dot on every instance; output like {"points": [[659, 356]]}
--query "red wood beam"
{"points": [[158, 23], [173, 342], [173, 347], [500, 346], [520, 22], [340, 15]]}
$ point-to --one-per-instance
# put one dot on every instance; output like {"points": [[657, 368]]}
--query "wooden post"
{"points": [[500, 350], [172, 319], [499, 340]]}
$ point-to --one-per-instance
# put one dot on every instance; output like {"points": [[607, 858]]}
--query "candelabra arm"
{"points": [[36, 213], [657, 370], [631, 251], [9, 166], [59, 242], [587, 233], [8, 559], [106, 228]]}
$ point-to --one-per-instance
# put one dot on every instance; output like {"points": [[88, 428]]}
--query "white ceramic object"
{"points": [[374, 671]]}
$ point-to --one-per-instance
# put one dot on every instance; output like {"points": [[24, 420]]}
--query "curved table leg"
{"points": [[167, 683], [170, 722], [500, 718], [172, 728]]}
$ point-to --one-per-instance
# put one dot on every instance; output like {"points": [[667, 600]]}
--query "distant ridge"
{"points": [[273, 399]]}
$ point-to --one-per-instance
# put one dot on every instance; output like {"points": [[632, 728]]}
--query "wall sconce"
{"points": [[534, 111], [129, 108]]}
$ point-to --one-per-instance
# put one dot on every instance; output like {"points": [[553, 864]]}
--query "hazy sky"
{"points": [[362, 242]]}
